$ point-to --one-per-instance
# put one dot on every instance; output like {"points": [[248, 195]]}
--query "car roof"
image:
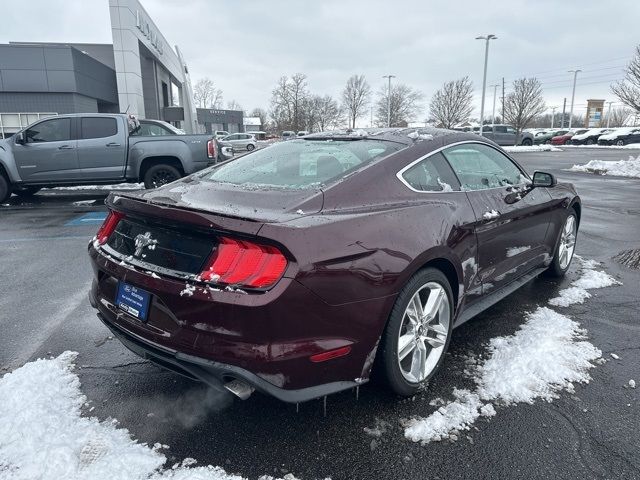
{"points": [[406, 136]]}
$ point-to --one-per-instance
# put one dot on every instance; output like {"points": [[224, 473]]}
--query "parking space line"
{"points": [[91, 218]]}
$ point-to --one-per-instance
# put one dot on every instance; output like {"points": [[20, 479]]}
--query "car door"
{"points": [[511, 219], [101, 147], [510, 137], [48, 154]]}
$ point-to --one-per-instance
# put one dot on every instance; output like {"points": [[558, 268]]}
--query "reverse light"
{"points": [[211, 149], [240, 262], [108, 226], [331, 354]]}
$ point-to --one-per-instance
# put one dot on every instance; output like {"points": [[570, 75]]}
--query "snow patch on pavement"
{"points": [[620, 168], [44, 435], [118, 186], [531, 148], [548, 354]]}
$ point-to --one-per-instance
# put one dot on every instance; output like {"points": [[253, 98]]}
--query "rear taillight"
{"points": [[109, 225], [239, 262], [211, 149]]}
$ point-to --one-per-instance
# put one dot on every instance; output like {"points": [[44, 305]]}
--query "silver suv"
{"points": [[505, 135], [240, 142]]}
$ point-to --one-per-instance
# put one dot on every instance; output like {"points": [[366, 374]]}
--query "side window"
{"points": [[501, 129], [480, 167], [150, 130], [56, 130], [511, 130], [98, 127], [433, 174]]}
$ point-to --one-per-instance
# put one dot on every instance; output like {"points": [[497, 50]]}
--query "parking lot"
{"points": [[593, 432]]}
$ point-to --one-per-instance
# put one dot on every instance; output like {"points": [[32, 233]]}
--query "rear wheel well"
{"points": [[449, 271], [4, 173], [578, 209], [149, 162]]}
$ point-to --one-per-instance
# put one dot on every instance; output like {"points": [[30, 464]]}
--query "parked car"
{"points": [[288, 135], [81, 149], [220, 134], [590, 137], [302, 133], [259, 135], [546, 136], [240, 142], [506, 135], [621, 136], [277, 288], [565, 137]]}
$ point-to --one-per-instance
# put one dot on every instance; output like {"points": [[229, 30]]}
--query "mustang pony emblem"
{"points": [[142, 242]]}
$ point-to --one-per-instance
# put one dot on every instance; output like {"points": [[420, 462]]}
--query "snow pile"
{"points": [[589, 279], [532, 148], [513, 251], [621, 168], [548, 354], [44, 436], [490, 215]]}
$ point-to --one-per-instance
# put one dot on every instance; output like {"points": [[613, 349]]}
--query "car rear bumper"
{"points": [[215, 374]]}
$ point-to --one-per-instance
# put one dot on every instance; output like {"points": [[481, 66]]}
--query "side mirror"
{"points": [[544, 179], [20, 138]]}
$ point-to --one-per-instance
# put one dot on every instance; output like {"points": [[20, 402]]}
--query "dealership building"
{"points": [[139, 73]]}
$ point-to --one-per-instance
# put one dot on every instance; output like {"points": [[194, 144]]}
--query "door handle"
{"points": [[112, 144], [65, 147]]}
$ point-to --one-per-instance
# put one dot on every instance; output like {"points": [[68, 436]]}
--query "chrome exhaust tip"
{"points": [[239, 389]]}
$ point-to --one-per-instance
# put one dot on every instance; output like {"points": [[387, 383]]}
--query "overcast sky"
{"points": [[245, 46]]}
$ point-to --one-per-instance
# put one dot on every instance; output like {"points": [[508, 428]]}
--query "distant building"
{"points": [[139, 73], [212, 119], [252, 124]]}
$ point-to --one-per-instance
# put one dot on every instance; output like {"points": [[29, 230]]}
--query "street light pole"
{"points": [[389, 99], [573, 94], [493, 113], [553, 115], [487, 38], [609, 115]]}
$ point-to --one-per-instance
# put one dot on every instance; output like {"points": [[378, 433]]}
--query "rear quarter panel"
{"points": [[190, 150]]}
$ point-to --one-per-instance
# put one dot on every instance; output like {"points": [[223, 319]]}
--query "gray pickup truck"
{"points": [[97, 148]]}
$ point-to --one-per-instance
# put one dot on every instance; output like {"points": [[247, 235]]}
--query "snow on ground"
{"points": [[590, 278], [631, 146], [621, 168], [532, 148], [44, 435], [548, 354], [118, 186]]}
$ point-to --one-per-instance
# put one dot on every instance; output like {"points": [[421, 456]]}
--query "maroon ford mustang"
{"points": [[298, 268]]}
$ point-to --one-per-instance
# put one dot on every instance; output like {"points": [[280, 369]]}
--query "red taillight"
{"points": [[211, 149], [331, 354], [239, 262], [109, 225]]}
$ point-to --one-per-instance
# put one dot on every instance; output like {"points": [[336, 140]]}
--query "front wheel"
{"points": [[565, 246], [620, 143], [527, 142], [251, 147], [5, 189], [418, 332], [159, 175]]}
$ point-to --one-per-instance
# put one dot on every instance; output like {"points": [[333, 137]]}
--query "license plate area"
{"points": [[133, 300]]}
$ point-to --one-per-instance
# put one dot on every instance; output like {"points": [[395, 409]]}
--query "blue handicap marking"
{"points": [[91, 218]]}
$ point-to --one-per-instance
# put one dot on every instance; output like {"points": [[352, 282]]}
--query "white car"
{"points": [[302, 133], [611, 138]]}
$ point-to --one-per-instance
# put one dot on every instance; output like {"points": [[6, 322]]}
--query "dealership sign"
{"points": [[146, 29]]}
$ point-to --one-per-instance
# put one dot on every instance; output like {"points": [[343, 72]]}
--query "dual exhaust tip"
{"points": [[239, 388]]}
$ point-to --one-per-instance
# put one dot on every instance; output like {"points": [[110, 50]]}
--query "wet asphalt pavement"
{"points": [[591, 433]]}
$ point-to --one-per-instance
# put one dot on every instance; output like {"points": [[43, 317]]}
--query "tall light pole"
{"points": [[389, 99], [493, 114], [609, 115], [487, 38], [553, 115], [573, 94]]}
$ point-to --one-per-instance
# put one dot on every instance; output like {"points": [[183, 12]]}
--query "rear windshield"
{"points": [[301, 163]]}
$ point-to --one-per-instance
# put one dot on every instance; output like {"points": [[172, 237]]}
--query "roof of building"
{"points": [[252, 121]]}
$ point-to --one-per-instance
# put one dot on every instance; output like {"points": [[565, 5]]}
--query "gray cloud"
{"points": [[246, 46]]}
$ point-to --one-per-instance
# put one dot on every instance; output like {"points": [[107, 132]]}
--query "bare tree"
{"points": [[261, 113], [233, 105], [628, 90], [328, 113], [404, 105], [206, 95], [452, 103], [524, 103], [288, 102], [619, 117], [355, 97]]}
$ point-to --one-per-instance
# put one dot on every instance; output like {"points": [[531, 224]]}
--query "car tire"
{"points": [[547, 142], [251, 147], [620, 143], [589, 141], [26, 191], [527, 142], [565, 245], [159, 175], [5, 188], [430, 337]]}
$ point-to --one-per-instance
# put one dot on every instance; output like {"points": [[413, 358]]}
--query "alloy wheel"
{"points": [[423, 332], [162, 177], [567, 242]]}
